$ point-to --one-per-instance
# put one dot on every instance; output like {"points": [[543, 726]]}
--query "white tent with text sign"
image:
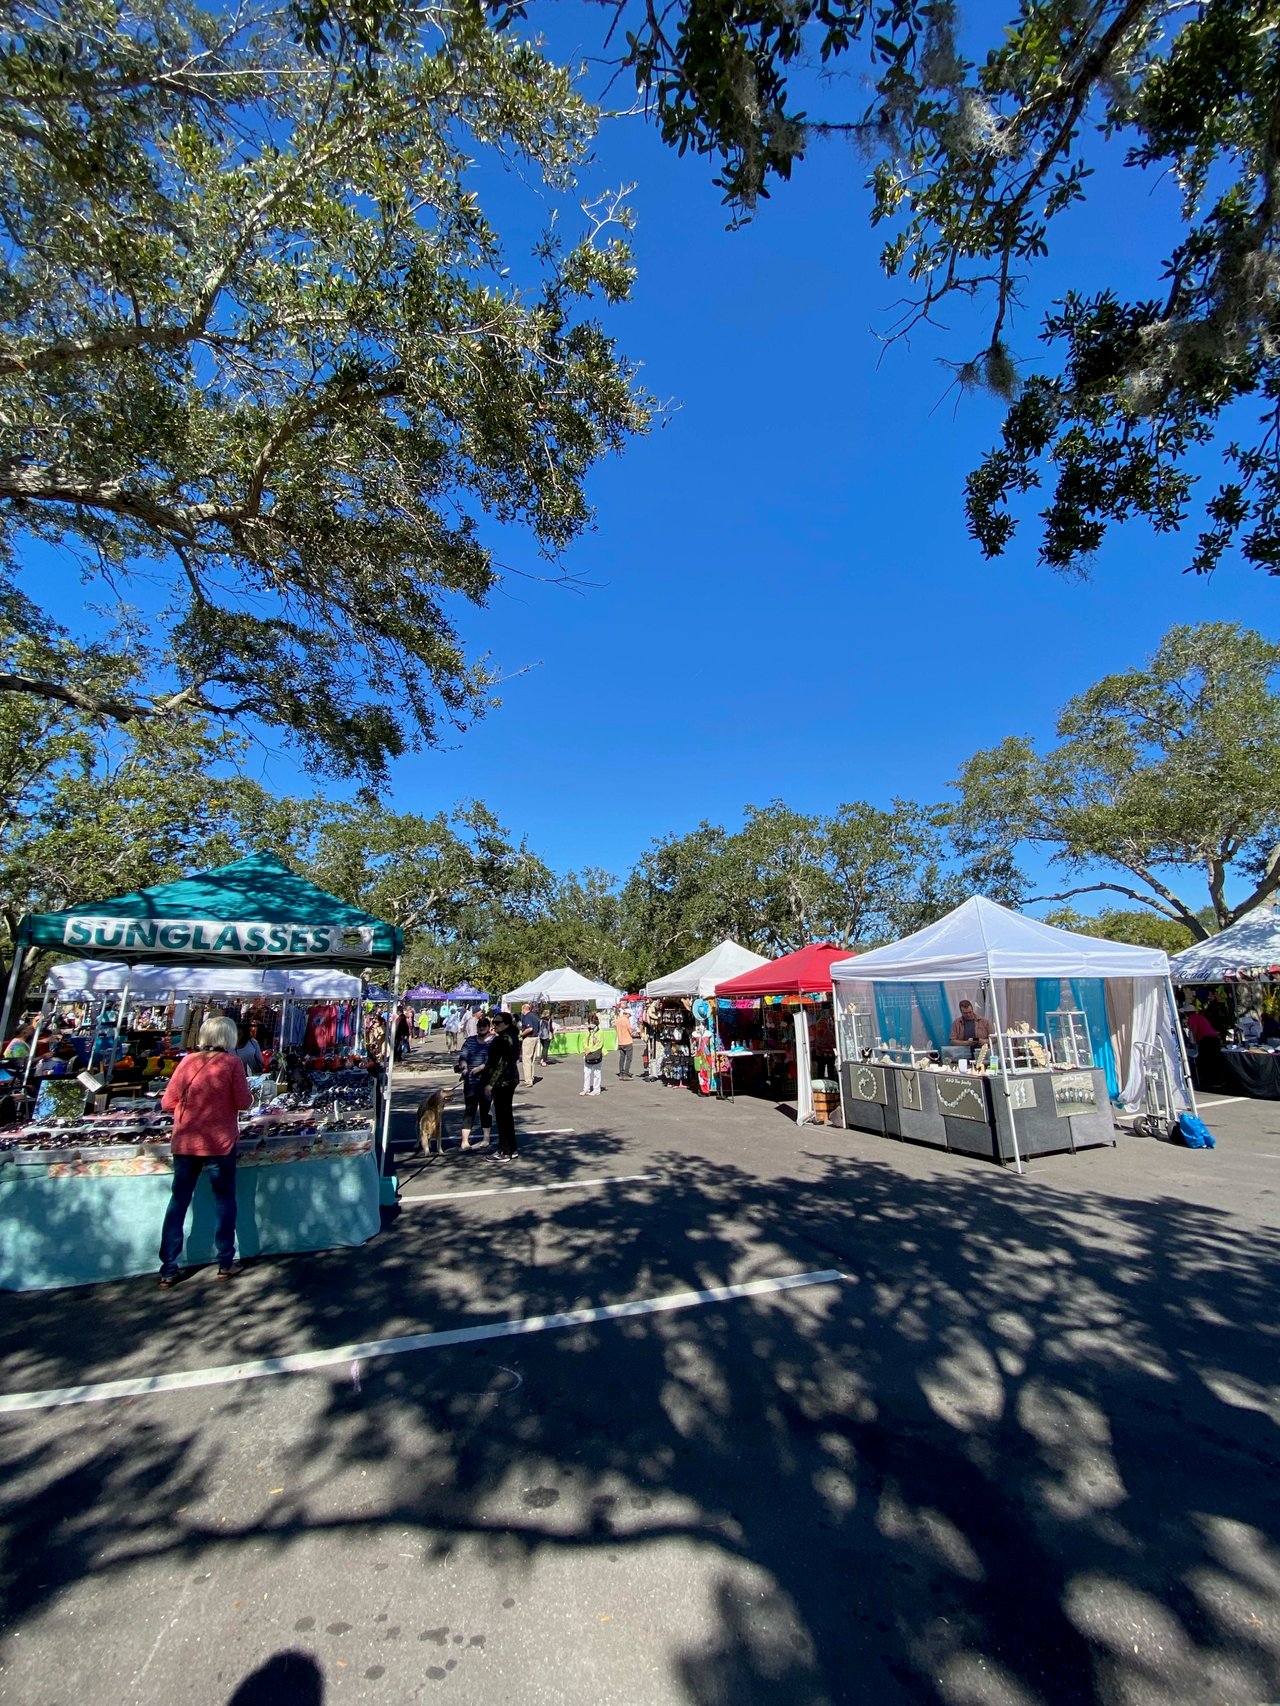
{"points": [[1013, 968]]}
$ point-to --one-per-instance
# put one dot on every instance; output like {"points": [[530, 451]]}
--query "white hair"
{"points": [[219, 1032]]}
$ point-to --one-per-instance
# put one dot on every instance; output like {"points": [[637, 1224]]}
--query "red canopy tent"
{"points": [[809, 968]]}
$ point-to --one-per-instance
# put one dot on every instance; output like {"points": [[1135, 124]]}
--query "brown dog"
{"points": [[431, 1122]]}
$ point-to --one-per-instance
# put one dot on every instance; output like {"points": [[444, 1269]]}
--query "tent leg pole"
{"points": [[35, 1038], [95, 1013], [1004, 1079], [804, 1092], [120, 1010], [391, 1065], [10, 994], [1182, 1047]]}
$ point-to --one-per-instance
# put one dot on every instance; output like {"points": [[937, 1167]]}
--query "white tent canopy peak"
{"points": [[981, 939], [700, 977], [1250, 944], [564, 984]]}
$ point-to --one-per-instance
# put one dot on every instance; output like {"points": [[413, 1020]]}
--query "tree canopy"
{"points": [[93, 807], [261, 347], [862, 875], [1161, 773], [1162, 794], [979, 152]]}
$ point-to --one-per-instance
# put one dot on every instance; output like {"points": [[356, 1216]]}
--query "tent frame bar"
{"points": [[1007, 1089], [15, 977], [1182, 1043], [390, 1046]]}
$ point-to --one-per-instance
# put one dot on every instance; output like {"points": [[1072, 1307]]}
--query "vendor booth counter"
{"points": [[1249, 1072], [968, 1111], [72, 1215]]}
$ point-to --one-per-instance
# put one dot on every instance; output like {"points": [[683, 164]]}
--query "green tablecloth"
{"points": [[575, 1042], [57, 1231]]}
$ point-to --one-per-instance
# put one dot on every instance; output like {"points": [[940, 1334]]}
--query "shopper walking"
{"points": [[204, 1096], [546, 1030], [592, 1058], [375, 1039], [473, 1063], [529, 1027], [626, 1042], [402, 1032], [501, 1077]]}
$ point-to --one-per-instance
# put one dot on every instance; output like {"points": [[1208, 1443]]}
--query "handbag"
{"points": [[594, 1058]]}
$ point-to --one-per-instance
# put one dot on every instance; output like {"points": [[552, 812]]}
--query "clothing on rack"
{"points": [[321, 1035]]}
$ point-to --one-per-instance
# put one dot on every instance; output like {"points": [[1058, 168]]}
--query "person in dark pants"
{"points": [[502, 1075], [204, 1096], [473, 1062]]}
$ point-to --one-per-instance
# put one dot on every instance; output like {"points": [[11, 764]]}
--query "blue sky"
{"points": [[783, 601], [786, 602]]}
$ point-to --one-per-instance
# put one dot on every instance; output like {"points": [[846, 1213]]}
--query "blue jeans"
{"points": [[222, 1178]]}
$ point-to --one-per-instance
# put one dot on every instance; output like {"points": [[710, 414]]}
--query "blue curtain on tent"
{"points": [[1048, 998], [893, 1011], [931, 1003], [897, 1002], [1089, 995]]}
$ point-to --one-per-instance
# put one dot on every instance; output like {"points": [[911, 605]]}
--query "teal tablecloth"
{"points": [[73, 1230]]}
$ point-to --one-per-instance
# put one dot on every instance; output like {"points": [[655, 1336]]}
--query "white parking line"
{"points": [[520, 1190], [304, 1362], [1222, 1102]]}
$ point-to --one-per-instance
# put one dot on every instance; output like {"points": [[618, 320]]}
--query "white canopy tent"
{"points": [[1251, 944], [983, 940], [80, 979], [700, 977], [996, 958], [564, 984]]}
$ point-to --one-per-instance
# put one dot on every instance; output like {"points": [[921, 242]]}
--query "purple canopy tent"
{"points": [[466, 992], [426, 992]]}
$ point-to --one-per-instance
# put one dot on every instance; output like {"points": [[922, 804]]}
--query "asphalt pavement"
{"points": [[1007, 1442]]}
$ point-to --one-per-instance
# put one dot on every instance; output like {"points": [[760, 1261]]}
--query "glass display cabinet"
{"points": [[1069, 1043], [856, 1033]]}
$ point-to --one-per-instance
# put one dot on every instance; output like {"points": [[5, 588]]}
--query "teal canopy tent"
{"points": [[255, 912]]}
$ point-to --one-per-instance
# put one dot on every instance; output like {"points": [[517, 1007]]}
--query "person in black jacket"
{"points": [[501, 1076]]}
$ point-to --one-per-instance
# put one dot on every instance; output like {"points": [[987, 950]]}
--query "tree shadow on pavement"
{"points": [[1024, 1452]]}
